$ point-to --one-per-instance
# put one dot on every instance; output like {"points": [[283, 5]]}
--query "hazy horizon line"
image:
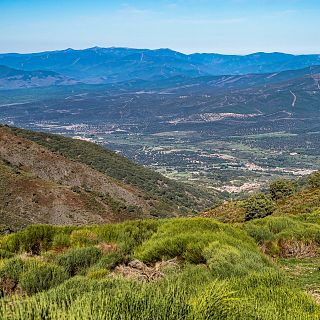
{"points": [[162, 48]]}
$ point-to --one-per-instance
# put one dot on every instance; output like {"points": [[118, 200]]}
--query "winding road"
{"points": [[294, 99]]}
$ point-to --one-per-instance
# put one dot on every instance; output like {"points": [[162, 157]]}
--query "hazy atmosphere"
{"points": [[221, 26]]}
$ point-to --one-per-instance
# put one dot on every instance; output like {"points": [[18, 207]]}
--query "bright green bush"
{"points": [[97, 273], [270, 295], [13, 268], [217, 301], [36, 238], [197, 241], [33, 239], [274, 228], [60, 240], [127, 235], [282, 235], [10, 243], [225, 260], [173, 238], [82, 238], [78, 260], [194, 252]]}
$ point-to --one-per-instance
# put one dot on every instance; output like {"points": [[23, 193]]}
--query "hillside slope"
{"points": [[17, 79], [304, 201], [39, 185]]}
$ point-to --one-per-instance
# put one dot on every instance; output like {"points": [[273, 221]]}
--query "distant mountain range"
{"points": [[110, 65], [144, 102]]}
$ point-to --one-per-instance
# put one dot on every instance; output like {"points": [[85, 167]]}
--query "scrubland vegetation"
{"points": [[190, 268], [260, 261]]}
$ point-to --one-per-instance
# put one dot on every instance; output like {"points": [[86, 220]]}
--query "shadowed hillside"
{"points": [[74, 182]]}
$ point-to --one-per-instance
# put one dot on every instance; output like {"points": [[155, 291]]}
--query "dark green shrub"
{"points": [[259, 233], [79, 259], [4, 254], [11, 272], [134, 233], [281, 188], [110, 260], [12, 269], [258, 206], [37, 238], [314, 180], [42, 277]]}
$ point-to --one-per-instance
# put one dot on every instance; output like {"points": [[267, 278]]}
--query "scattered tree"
{"points": [[314, 180], [281, 188], [259, 205]]}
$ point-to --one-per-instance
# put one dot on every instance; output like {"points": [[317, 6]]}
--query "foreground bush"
{"points": [[192, 295], [33, 239], [10, 273], [225, 250], [29, 275], [218, 301], [285, 236], [78, 260], [4, 254], [219, 273], [43, 277]]}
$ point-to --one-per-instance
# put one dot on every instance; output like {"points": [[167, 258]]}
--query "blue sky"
{"points": [[222, 26]]}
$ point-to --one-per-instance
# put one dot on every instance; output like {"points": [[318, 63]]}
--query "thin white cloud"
{"points": [[200, 21]]}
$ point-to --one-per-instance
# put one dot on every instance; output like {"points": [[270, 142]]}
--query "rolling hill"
{"points": [[51, 179], [18, 79], [303, 204]]}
